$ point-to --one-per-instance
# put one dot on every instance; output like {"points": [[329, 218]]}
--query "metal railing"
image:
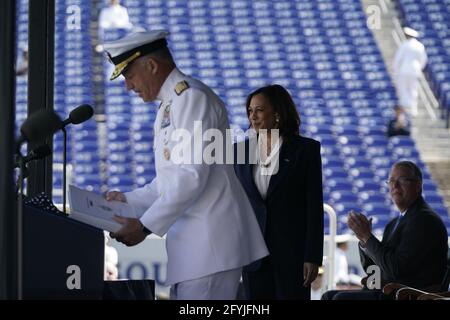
{"points": [[329, 265]]}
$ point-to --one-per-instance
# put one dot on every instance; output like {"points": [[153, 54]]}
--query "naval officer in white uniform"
{"points": [[409, 61], [210, 225]]}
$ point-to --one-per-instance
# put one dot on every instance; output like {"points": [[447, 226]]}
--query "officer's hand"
{"points": [[310, 271], [115, 196], [131, 232]]}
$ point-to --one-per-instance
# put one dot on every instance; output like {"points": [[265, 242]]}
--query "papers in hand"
{"points": [[93, 209]]}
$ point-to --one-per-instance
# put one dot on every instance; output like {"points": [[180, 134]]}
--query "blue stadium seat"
{"points": [[334, 172], [372, 197], [90, 182], [369, 184], [377, 151], [343, 208], [118, 168], [323, 52], [342, 196], [354, 151], [377, 208], [332, 161], [356, 162], [337, 184], [361, 173]]}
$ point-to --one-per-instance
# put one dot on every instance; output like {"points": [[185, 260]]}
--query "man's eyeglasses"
{"points": [[402, 181]]}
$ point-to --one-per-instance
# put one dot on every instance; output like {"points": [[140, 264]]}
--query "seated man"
{"points": [[399, 126], [414, 247]]}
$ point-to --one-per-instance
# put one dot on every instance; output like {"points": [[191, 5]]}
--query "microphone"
{"points": [[38, 153], [38, 126], [79, 114], [35, 129], [20, 162]]}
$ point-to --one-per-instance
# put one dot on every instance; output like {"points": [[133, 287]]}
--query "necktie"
{"points": [[396, 224]]}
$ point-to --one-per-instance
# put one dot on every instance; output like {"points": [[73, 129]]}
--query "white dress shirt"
{"points": [[266, 166]]}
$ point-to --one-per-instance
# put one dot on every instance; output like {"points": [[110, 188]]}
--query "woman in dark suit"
{"points": [[284, 186]]}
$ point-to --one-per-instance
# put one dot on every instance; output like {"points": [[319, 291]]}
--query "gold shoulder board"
{"points": [[180, 87]]}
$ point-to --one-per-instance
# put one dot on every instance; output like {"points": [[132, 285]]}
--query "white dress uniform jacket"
{"points": [[340, 266], [409, 61], [209, 221]]}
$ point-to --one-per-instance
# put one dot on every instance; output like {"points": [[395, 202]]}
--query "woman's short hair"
{"points": [[282, 103]]}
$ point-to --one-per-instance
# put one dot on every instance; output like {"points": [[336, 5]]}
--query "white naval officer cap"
{"points": [[411, 32], [342, 238], [134, 45]]}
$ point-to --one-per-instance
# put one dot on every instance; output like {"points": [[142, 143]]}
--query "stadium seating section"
{"points": [[321, 51]]}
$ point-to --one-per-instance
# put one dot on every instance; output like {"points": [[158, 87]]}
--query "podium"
{"points": [[62, 258]]}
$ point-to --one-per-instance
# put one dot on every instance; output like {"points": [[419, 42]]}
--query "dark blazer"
{"points": [[415, 254], [393, 131], [291, 217]]}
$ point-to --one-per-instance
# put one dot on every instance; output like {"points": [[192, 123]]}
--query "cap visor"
{"points": [[117, 72]]}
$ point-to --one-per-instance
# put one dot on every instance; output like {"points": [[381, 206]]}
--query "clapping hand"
{"points": [[360, 225]]}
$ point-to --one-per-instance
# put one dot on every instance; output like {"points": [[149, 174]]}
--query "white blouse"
{"points": [[266, 166]]}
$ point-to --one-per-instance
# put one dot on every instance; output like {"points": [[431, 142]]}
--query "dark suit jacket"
{"points": [[291, 217], [415, 254], [393, 131]]}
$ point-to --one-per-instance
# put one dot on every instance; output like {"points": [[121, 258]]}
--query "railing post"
{"points": [[331, 246]]}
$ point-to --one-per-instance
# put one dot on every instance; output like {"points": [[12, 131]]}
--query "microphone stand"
{"points": [[64, 167], [22, 173]]}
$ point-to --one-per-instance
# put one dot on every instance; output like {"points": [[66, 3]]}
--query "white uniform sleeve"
{"points": [[397, 59], [142, 198], [181, 184]]}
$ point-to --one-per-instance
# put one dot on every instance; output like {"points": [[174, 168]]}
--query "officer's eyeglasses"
{"points": [[401, 181]]}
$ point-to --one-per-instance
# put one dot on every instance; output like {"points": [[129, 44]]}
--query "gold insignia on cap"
{"points": [[166, 154], [180, 87], [121, 66]]}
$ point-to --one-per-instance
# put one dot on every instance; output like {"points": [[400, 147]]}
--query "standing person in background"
{"points": [[211, 229], [316, 285], [285, 190], [111, 260], [342, 275], [409, 61], [114, 16], [22, 69], [340, 260]]}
